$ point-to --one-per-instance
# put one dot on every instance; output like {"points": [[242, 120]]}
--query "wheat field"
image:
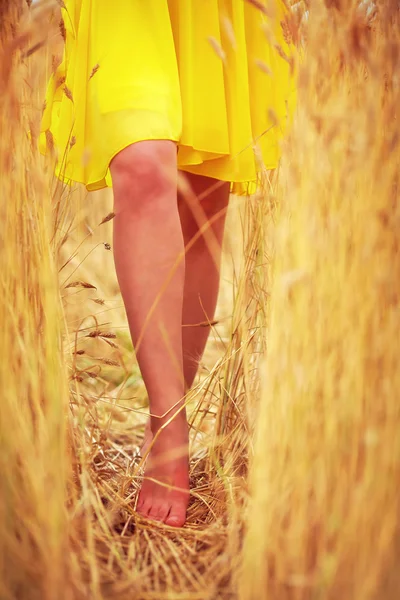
{"points": [[295, 414]]}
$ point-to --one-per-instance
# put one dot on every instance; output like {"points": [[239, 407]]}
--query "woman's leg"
{"points": [[202, 207], [147, 244], [202, 204]]}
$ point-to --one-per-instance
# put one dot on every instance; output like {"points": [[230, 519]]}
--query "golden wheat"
{"points": [[304, 352], [324, 515]]}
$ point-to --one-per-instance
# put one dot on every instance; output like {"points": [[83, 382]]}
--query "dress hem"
{"points": [[238, 186]]}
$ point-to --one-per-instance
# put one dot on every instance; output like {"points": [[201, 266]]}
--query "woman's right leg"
{"points": [[148, 243]]}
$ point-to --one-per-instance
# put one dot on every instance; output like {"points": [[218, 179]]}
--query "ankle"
{"points": [[172, 423]]}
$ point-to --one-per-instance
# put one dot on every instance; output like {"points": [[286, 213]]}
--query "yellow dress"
{"points": [[216, 76]]}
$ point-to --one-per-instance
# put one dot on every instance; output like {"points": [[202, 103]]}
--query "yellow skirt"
{"points": [[216, 76]]}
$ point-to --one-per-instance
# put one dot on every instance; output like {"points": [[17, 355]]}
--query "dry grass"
{"points": [[325, 508], [322, 521]]}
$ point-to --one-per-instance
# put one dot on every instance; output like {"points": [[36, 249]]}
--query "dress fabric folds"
{"points": [[215, 76]]}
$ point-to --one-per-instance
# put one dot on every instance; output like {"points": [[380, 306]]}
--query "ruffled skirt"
{"points": [[215, 76]]}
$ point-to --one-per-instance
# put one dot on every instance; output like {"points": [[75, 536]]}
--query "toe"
{"points": [[140, 502], [159, 511], [177, 515], [144, 506]]}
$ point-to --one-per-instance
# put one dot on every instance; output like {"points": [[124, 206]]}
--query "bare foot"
{"points": [[164, 494]]}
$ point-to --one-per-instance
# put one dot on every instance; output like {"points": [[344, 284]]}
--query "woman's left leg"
{"points": [[202, 210]]}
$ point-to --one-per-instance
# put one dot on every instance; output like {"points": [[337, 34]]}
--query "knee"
{"points": [[204, 212], [146, 171], [206, 200], [215, 199], [214, 207]]}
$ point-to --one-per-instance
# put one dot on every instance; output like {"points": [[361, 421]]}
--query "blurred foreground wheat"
{"points": [[33, 416], [325, 510], [322, 519]]}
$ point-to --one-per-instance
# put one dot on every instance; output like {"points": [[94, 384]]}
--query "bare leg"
{"points": [[204, 209], [147, 243]]}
